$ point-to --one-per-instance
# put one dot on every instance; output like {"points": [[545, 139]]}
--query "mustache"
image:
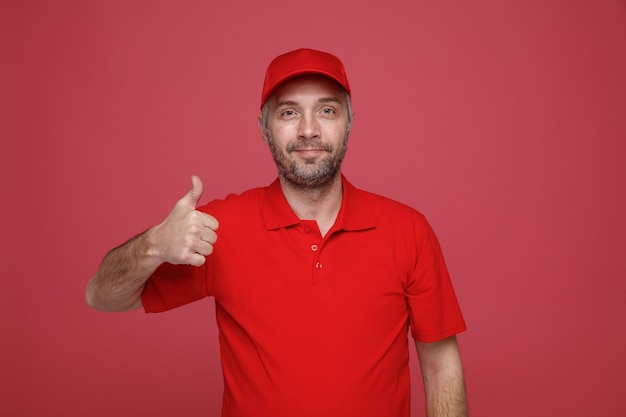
{"points": [[309, 144]]}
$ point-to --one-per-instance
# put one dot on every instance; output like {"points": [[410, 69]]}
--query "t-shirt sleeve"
{"points": [[172, 286], [433, 307]]}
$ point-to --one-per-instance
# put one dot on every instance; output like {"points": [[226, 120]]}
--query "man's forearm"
{"points": [[120, 279], [445, 394]]}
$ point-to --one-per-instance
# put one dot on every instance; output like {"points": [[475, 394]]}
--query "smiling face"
{"points": [[307, 130]]}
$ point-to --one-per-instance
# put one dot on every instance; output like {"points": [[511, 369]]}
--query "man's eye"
{"points": [[328, 111], [288, 113]]}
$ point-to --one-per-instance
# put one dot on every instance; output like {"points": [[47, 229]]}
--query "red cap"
{"points": [[302, 62]]}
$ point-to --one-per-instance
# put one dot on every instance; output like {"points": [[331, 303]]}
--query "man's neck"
{"points": [[321, 204]]}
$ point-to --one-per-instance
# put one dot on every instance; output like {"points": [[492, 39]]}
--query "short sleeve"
{"points": [[172, 286], [433, 307]]}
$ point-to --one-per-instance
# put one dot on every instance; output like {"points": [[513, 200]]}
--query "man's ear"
{"points": [[262, 128]]}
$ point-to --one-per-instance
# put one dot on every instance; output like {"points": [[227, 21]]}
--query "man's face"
{"points": [[308, 130]]}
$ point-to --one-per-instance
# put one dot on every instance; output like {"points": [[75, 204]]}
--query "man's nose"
{"points": [[308, 127]]}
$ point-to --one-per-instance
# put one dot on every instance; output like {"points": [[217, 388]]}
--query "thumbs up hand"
{"points": [[186, 236]]}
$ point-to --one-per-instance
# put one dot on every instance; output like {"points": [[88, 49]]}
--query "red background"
{"points": [[503, 122]]}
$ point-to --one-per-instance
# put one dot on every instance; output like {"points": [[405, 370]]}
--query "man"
{"points": [[316, 283]]}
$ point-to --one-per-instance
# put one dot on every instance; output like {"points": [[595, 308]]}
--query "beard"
{"points": [[309, 174]]}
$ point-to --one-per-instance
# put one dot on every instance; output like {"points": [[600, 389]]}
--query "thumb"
{"points": [[193, 196]]}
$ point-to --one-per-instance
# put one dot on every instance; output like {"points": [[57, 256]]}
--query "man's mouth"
{"points": [[309, 152]]}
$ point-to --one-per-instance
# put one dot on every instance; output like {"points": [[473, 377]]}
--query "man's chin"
{"points": [[312, 178]]}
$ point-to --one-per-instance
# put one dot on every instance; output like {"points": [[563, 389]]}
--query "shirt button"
{"points": [[307, 230], [318, 265], [314, 248]]}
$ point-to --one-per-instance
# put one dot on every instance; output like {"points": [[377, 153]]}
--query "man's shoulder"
{"points": [[388, 207], [236, 202]]}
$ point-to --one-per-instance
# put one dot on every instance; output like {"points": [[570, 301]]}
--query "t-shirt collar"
{"points": [[356, 211]]}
